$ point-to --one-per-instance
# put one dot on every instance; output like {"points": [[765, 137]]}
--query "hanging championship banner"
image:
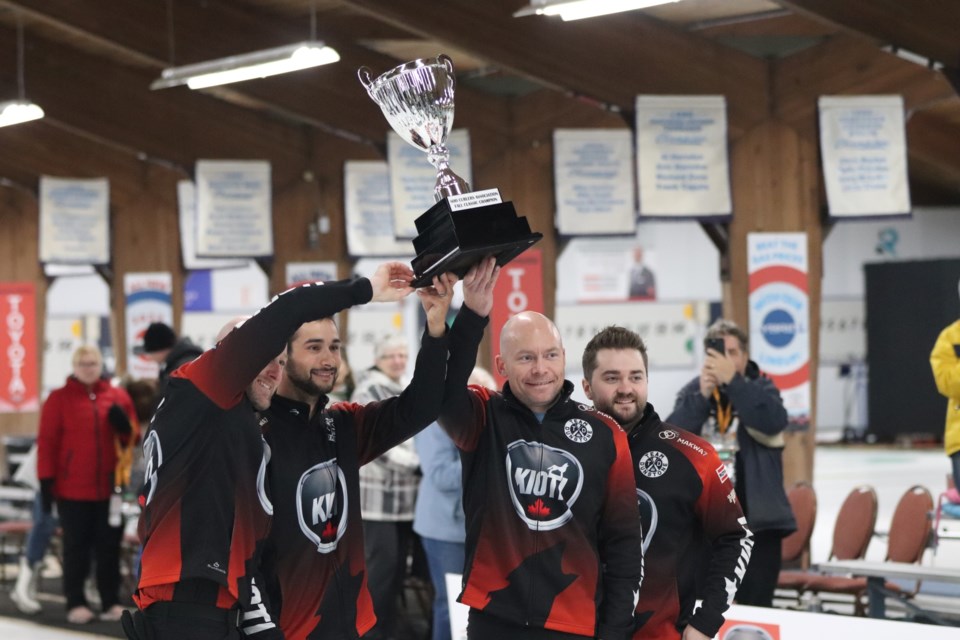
{"points": [[519, 288], [412, 178], [19, 391], [780, 316], [74, 220], [187, 205], [147, 300], [593, 181], [682, 163], [368, 209], [234, 209], [864, 150]]}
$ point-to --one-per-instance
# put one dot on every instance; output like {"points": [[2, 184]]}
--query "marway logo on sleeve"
{"points": [[322, 505], [262, 479], [544, 483]]}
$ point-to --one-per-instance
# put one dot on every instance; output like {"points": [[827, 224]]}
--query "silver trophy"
{"points": [[417, 100]]}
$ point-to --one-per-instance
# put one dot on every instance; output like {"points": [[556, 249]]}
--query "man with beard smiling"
{"points": [[205, 507], [313, 562], [687, 503], [553, 534]]}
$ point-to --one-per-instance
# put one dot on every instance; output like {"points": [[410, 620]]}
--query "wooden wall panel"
{"points": [[18, 263], [775, 180]]}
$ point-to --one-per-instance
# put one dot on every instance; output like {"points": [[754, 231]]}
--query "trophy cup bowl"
{"points": [[417, 99]]}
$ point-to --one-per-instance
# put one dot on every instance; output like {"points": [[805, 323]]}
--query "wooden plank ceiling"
{"points": [[89, 64]]}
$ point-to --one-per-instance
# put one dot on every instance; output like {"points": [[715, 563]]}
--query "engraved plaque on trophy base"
{"points": [[456, 240]]}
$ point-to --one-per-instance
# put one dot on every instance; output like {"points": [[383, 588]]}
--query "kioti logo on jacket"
{"points": [[544, 483], [322, 505]]}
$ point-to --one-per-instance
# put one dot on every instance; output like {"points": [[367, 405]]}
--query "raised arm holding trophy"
{"points": [[462, 227]]}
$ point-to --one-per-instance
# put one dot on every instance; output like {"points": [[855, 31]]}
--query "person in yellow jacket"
{"points": [[945, 360]]}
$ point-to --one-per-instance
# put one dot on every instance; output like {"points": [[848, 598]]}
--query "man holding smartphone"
{"points": [[740, 412]]}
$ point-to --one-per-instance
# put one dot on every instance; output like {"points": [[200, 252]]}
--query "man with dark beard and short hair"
{"points": [[313, 562], [687, 505]]}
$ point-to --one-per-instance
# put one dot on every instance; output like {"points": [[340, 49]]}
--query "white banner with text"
{"points": [[682, 163]]}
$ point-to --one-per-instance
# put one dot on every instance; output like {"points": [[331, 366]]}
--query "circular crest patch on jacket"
{"points": [[578, 430], [653, 464]]}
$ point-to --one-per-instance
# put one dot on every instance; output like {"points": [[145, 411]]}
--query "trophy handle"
{"points": [[445, 60], [364, 74]]}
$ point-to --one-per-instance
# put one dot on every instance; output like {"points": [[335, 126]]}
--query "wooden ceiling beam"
{"points": [[926, 27], [113, 103], [610, 59], [40, 148], [329, 99], [847, 65]]}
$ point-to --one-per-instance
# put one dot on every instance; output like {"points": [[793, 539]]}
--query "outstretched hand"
{"points": [[478, 286], [391, 282], [436, 302]]}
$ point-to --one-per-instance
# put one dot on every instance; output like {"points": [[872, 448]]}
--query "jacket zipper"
{"points": [[96, 442], [536, 537]]}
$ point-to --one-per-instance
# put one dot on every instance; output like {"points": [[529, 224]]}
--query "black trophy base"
{"points": [[456, 240]]}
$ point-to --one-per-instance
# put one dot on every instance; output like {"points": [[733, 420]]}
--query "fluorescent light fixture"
{"points": [[579, 9], [247, 66], [17, 111]]}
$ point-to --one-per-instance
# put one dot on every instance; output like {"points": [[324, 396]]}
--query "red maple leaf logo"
{"points": [[538, 508], [329, 531]]}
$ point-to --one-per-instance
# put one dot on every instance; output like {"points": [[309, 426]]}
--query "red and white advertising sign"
{"points": [[519, 288], [19, 382]]}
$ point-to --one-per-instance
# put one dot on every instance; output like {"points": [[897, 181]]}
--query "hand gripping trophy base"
{"points": [[456, 240]]}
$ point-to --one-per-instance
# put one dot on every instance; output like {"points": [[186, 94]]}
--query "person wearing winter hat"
{"points": [[162, 345]]}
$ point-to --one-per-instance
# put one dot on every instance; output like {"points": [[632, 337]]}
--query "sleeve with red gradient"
{"points": [[50, 435], [725, 528], [224, 372], [621, 544], [464, 408], [384, 424]]}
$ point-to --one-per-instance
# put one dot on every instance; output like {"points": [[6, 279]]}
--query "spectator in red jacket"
{"points": [[85, 426]]}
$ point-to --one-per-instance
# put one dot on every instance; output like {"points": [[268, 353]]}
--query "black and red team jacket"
{"points": [[206, 511], [695, 539], [313, 563], [553, 531]]}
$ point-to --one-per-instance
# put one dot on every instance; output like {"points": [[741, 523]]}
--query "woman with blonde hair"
{"points": [[87, 430]]}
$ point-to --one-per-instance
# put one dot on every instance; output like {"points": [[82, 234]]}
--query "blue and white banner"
{"points": [[682, 163], [593, 181], [187, 206], [74, 220], [780, 316], [412, 178], [147, 300], [234, 216], [864, 150], [368, 210]]}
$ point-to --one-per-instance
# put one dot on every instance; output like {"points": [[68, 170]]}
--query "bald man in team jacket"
{"points": [[553, 530]]}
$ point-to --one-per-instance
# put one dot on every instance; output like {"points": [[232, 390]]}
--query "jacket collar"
{"points": [[296, 409], [565, 391]]}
